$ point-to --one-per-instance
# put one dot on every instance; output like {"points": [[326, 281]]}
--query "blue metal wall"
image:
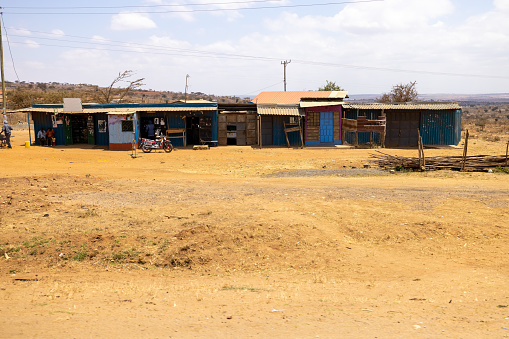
{"points": [[278, 132], [176, 121], [441, 127], [436, 127], [364, 137], [214, 125], [101, 139], [43, 120]]}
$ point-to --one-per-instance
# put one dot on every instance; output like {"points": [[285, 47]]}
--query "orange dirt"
{"points": [[226, 243]]}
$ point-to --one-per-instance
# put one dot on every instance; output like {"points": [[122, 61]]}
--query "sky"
{"points": [[232, 47]]}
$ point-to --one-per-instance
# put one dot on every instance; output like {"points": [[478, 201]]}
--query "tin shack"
{"points": [[315, 114], [118, 125], [439, 123]]}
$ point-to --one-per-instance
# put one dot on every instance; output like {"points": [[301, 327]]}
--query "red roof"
{"points": [[294, 97]]}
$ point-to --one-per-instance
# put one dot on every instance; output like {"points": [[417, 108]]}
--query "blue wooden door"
{"points": [[326, 127]]}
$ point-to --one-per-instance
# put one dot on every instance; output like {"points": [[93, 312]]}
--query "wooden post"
{"points": [[422, 159], [506, 153], [301, 133], [419, 147], [357, 133], [260, 136], [286, 135], [465, 152], [422, 152]]}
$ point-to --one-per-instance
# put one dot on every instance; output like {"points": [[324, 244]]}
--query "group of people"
{"points": [[46, 138], [6, 131]]}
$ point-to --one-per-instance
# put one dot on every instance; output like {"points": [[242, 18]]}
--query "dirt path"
{"points": [[217, 244]]}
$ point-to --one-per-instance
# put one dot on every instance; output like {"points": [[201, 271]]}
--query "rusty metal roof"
{"points": [[434, 106], [294, 97]]}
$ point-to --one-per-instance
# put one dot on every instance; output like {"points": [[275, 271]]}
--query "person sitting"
{"points": [[50, 136], [41, 136]]}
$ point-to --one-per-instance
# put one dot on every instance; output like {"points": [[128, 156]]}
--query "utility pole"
{"points": [[4, 104], [284, 63], [185, 92]]}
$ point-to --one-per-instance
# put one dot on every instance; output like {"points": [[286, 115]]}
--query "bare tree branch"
{"points": [[109, 94]]}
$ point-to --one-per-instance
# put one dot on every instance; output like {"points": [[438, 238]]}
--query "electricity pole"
{"points": [[185, 94], [4, 104], [284, 63]]}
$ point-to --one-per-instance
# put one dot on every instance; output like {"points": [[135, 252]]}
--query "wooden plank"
{"points": [[376, 129], [251, 133], [292, 129]]}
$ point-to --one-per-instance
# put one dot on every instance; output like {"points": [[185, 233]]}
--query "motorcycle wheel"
{"points": [[146, 149], [167, 146]]}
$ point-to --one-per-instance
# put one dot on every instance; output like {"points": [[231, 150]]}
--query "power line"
{"points": [[373, 68], [200, 10], [261, 89], [9, 45], [144, 6], [208, 54], [106, 42]]}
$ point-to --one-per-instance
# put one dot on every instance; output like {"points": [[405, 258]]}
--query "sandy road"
{"points": [[204, 244]]}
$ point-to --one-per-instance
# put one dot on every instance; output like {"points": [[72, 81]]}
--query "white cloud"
{"points": [[19, 31], [58, 32], [131, 21], [502, 5], [99, 38], [31, 44], [390, 15], [232, 10]]}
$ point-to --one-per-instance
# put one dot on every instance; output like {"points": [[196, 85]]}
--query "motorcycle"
{"points": [[147, 145]]}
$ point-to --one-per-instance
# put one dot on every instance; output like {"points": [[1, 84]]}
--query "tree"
{"points": [[109, 94], [400, 93], [330, 86]]}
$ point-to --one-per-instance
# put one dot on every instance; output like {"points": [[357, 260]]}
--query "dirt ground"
{"points": [[238, 242]]}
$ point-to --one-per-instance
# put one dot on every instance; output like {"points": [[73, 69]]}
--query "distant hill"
{"points": [[470, 98], [21, 94]]}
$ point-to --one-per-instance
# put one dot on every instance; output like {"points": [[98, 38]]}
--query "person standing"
{"points": [[150, 129], [6, 129]]}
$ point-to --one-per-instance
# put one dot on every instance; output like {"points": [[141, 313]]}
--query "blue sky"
{"points": [[235, 47]]}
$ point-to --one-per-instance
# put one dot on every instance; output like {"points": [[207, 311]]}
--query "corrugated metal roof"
{"points": [[119, 110], [294, 97], [406, 105], [320, 103], [121, 113], [290, 110]]}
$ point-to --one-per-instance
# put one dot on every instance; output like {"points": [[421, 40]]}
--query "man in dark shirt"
{"points": [[6, 130], [150, 130]]}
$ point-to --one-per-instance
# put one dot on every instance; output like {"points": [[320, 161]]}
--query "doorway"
{"points": [[326, 127], [193, 130], [79, 123]]}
